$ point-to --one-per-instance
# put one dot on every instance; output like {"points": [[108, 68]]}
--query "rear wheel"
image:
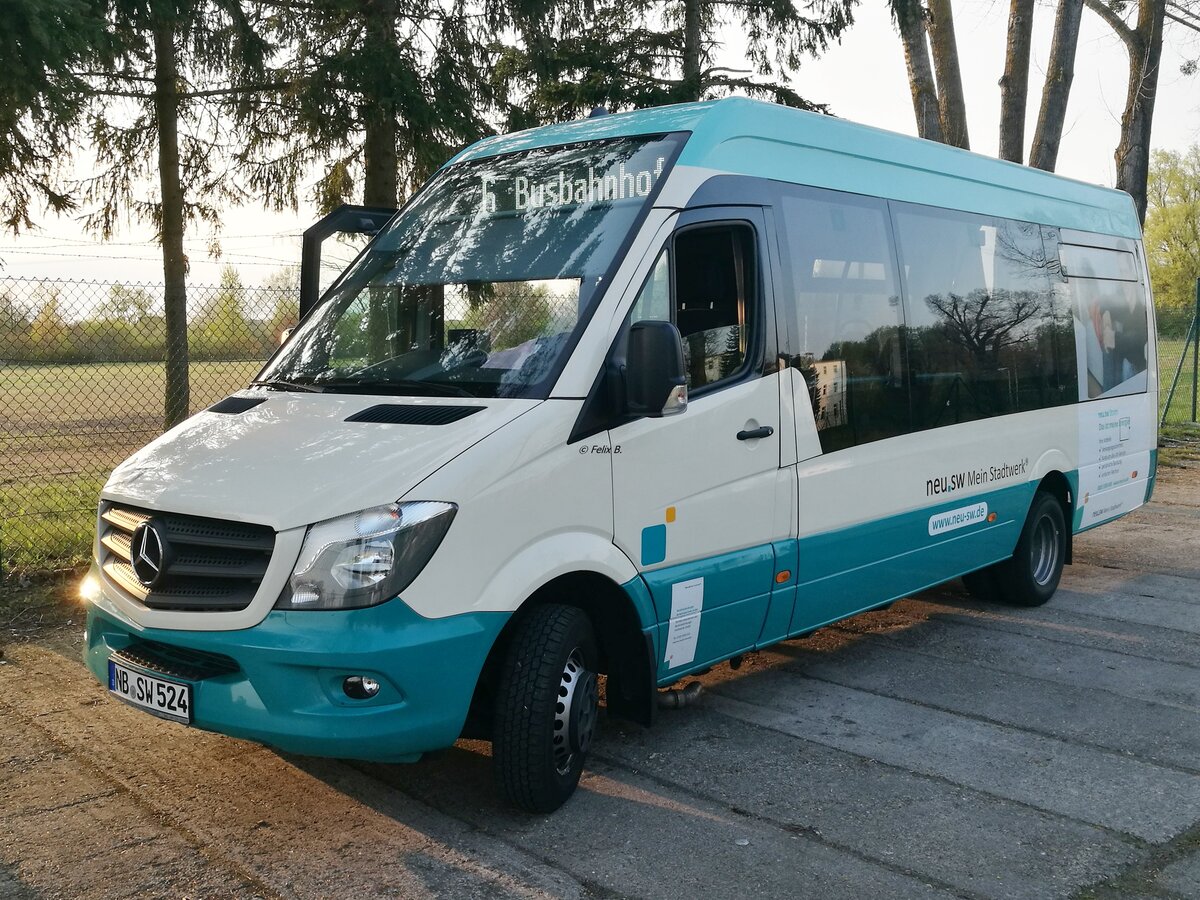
{"points": [[546, 708], [1031, 577]]}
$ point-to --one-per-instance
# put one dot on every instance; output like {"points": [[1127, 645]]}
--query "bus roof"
{"points": [[749, 137]]}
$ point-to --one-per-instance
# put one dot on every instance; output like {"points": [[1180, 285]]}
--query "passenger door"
{"points": [[699, 497]]}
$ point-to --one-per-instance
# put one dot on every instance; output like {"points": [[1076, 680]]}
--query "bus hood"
{"points": [[294, 459]]}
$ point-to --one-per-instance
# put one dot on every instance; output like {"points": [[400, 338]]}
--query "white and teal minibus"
{"points": [[628, 397]]}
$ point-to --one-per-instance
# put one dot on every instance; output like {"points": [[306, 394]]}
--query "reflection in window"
{"points": [[849, 316], [986, 333], [654, 299], [480, 283], [714, 281], [1111, 308], [709, 294]]}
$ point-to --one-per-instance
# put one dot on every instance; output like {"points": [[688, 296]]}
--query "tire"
{"points": [[546, 708], [1031, 576]]}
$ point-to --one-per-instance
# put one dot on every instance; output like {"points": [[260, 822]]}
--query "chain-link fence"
{"points": [[1179, 377], [83, 385]]}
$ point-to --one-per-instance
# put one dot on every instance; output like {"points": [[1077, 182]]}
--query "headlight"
{"points": [[367, 557]]}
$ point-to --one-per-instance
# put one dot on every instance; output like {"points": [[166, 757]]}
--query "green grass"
{"points": [[1169, 352], [62, 430], [111, 393], [49, 524]]}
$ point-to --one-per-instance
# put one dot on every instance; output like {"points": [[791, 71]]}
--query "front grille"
{"points": [[212, 566], [178, 662]]}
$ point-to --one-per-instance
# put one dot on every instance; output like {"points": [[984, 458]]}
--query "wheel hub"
{"points": [[1045, 546], [574, 712]]}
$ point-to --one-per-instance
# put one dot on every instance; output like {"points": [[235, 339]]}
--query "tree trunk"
{"points": [[910, 20], [380, 160], [691, 87], [952, 104], [1133, 151], [1059, 72], [1014, 83], [176, 401]]}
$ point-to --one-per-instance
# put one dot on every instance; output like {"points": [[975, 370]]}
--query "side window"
{"points": [[1110, 305], [714, 291], [849, 315], [654, 299], [987, 334], [705, 284]]}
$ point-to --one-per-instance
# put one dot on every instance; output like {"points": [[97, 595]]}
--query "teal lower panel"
{"points": [[287, 690], [725, 631], [1153, 474], [737, 593], [852, 569]]}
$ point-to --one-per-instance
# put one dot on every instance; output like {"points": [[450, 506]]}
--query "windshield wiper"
{"points": [[286, 386], [397, 386]]}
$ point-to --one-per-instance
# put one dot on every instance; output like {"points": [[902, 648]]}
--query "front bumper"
{"points": [[286, 691]]}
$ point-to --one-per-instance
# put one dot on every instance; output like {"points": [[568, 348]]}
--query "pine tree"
{"points": [[374, 93], [647, 52], [162, 113], [44, 45]]}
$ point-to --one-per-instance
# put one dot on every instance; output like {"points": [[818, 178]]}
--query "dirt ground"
{"points": [[943, 748]]}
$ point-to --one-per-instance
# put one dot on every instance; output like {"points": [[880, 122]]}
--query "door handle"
{"points": [[755, 433]]}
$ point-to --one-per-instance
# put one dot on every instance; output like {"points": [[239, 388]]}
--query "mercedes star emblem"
{"points": [[148, 554]]}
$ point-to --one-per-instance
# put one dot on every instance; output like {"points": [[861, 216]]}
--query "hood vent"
{"points": [[233, 405], [401, 414]]}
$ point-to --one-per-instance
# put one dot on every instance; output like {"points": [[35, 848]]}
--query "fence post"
{"points": [[1195, 350]]}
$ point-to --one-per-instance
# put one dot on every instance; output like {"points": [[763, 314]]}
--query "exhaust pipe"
{"points": [[677, 699]]}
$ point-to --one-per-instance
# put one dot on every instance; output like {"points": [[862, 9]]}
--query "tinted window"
{"points": [[1097, 262], [986, 332], [714, 283], [849, 316], [709, 293]]}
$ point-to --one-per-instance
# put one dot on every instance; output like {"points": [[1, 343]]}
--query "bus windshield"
{"points": [[478, 287]]}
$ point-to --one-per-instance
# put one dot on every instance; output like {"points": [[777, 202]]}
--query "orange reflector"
{"points": [[991, 517], [783, 576], [670, 514], [1134, 474]]}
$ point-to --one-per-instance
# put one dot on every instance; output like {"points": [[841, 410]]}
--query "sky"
{"points": [[862, 78]]}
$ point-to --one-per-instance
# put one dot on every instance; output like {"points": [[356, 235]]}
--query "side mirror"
{"points": [[655, 379]]}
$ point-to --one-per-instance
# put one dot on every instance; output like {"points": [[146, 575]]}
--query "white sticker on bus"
{"points": [[687, 604], [958, 518]]}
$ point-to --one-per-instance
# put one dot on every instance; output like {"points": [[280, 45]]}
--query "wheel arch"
{"points": [[1059, 486], [622, 632]]}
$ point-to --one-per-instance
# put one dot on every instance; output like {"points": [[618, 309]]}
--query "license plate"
{"points": [[167, 699]]}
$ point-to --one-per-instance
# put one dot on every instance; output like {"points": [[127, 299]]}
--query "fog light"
{"points": [[360, 687], [89, 588]]}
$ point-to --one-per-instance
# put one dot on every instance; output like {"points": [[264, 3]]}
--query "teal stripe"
{"points": [[1153, 474], [834, 574], [846, 571]]}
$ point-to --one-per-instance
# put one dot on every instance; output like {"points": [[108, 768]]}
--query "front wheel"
{"points": [[546, 708], [1031, 577]]}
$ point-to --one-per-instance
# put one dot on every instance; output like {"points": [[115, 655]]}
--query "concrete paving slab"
{"points": [[1050, 623], [1165, 735], [1072, 664], [1182, 877], [975, 842], [1090, 785], [631, 835]]}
